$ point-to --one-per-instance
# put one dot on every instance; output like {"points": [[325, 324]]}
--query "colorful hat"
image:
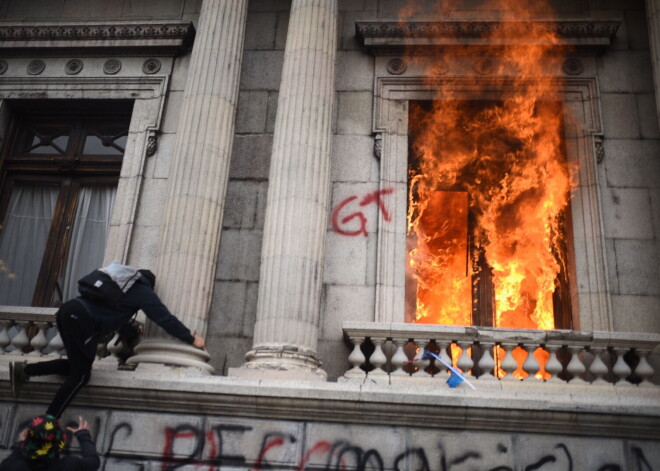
{"points": [[44, 439]]}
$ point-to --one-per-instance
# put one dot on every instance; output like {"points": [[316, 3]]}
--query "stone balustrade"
{"points": [[32, 332], [393, 353]]}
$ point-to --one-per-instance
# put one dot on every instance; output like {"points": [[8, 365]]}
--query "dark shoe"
{"points": [[18, 377]]}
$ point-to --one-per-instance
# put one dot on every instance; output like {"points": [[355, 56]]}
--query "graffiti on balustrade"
{"points": [[217, 447], [346, 212]]}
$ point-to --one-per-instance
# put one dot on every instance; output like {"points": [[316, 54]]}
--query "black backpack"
{"points": [[99, 287]]}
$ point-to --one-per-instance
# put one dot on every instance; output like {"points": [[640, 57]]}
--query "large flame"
{"points": [[489, 190]]}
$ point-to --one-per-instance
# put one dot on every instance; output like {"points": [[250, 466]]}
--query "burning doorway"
{"points": [[489, 227]]}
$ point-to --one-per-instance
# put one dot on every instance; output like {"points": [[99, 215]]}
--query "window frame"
{"points": [[69, 171], [590, 298]]}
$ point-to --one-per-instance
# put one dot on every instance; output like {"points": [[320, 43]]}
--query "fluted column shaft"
{"points": [[288, 308], [653, 18], [190, 232]]}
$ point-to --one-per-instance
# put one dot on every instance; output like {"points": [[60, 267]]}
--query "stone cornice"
{"points": [[149, 37], [393, 35]]}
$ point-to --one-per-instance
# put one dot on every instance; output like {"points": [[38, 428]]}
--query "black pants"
{"points": [[78, 335]]}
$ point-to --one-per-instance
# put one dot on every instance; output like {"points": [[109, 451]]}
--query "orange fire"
{"points": [[489, 193]]}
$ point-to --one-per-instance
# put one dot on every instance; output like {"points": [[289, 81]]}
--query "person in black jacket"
{"points": [[81, 322], [39, 446]]}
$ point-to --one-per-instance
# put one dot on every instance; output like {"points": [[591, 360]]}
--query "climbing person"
{"points": [[81, 321], [40, 444]]}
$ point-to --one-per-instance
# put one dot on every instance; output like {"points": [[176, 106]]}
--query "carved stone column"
{"points": [[653, 18], [190, 231], [288, 307]]}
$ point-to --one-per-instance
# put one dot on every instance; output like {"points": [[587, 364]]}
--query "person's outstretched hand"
{"points": [[82, 425], [199, 341]]}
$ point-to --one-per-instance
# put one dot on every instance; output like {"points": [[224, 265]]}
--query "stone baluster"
{"points": [[575, 367], [486, 363], [621, 368], [553, 366], [419, 362], [531, 365], [56, 345], [442, 345], [644, 370], [356, 359], [290, 283], [399, 359], [192, 218], [377, 358], [20, 340], [509, 364], [4, 336], [39, 341], [598, 368], [465, 362]]}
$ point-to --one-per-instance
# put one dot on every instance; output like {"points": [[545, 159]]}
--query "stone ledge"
{"points": [[400, 36], [608, 411], [161, 38]]}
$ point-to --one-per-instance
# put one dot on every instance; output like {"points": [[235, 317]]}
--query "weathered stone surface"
{"points": [[632, 163], [260, 31], [648, 116], [172, 113], [239, 255], [152, 8], [38, 10], [270, 5], [355, 71], [655, 211], [627, 213], [179, 72], [333, 355], [262, 70], [282, 27], [158, 165], [638, 266], [620, 115], [251, 156], [96, 9], [625, 71], [229, 301], [638, 29], [353, 159], [272, 112], [344, 303], [251, 114], [241, 207], [346, 260], [150, 210], [250, 311], [636, 313], [144, 246], [612, 274], [354, 112]]}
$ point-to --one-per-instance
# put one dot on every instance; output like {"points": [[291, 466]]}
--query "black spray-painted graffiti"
{"points": [[209, 453]]}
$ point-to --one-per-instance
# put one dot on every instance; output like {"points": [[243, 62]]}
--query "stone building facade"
{"points": [[259, 150]]}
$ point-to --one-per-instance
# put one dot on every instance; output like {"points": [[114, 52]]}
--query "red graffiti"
{"points": [[171, 434], [272, 444], [374, 197], [320, 447], [210, 438]]}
